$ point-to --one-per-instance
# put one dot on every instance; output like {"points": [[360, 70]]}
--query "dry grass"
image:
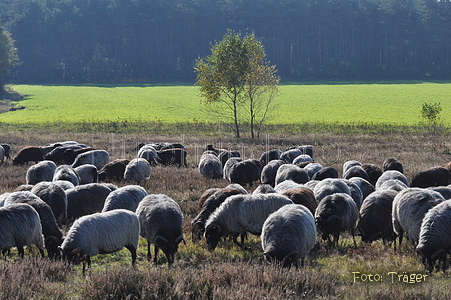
{"points": [[229, 272]]}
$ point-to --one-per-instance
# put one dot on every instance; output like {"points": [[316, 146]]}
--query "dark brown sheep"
{"points": [[392, 163], [113, 170], [437, 176], [27, 154], [302, 196], [327, 172], [373, 171], [172, 157]]}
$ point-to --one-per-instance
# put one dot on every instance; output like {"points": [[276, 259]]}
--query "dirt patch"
{"points": [[10, 96]]}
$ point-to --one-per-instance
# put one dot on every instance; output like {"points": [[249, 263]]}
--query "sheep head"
{"points": [[213, 234], [169, 247], [197, 231]]}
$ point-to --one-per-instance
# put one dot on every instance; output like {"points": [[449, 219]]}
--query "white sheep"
{"points": [[137, 170], [42, 171]]}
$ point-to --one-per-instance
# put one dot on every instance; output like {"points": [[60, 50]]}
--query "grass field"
{"points": [[396, 103]]}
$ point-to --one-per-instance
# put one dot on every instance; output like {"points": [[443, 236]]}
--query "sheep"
{"points": [[55, 196], [161, 221], [373, 171], [87, 173], [20, 226], [445, 191], [42, 171], [240, 214], [336, 213], [434, 242], [6, 150], [2, 155], [287, 184], [303, 196], [313, 168], [389, 175], [113, 170], [126, 197], [205, 195], [266, 157], [264, 189], [328, 187], [375, 217], [172, 157], [227, 168], [326, 172], [98, 158], [409, 209], [437, 176], [356, 171], [101, 233], [208, 206], [226, 155], [288, 235], [85, 199], [64, 184], [65, 154], [50, 230], [137, 170], [289, 155], [149, 153], [392, 184], [349, 164], [301, 159], [71, 153], [66, 172], [305, 149], [27, 154], [246, 172], [291, 172], [210, 166], [392, 163], [356, 193], [269, 171], [365, 187]]}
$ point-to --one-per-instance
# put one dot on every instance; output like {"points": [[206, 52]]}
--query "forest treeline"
{"points": [[116, 41]]}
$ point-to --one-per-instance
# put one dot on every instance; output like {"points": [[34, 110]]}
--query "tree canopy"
{"points": [[8, 56]]}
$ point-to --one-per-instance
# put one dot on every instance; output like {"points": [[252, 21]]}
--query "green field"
{"points": [[384, 103]]}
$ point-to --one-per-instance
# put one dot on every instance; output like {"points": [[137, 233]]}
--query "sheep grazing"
{"points": [[20, 226], [148, 153], [101, 233], [336, 213], [208, 206], [137, 170], [113, 170], [390, 175], [365, 187], [127, 197], [291, 172], [42, 171], [375, 220], [87, 173], [210, 166], [172, 157], [6, 150], [55, 196], [328, 187], [435, 236], [240, 214], [98, 158], [205, 195], [392, 163], [302, 196], [161, 222], [437, 176], [373, 171], [409, 208], [269, 171], [312, 168], [27, 154], [70, 154], [266, 157], [356, 171], [64, 153], [349, 164], [288, 235], [246, 172], [327, 172], [85, 199]]}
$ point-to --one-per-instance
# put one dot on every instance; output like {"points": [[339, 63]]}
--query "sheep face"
{"points": [[169, 247], [213, 234], [283, 258], [52, 244], [197, 231], [330, 225], [430, 255], [74, 256]]}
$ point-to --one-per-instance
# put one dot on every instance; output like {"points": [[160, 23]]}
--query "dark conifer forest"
{"points": [[135, 41]]}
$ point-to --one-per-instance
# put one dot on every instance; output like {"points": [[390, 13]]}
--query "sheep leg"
{"points": [[149, 254], [21, 251], [336, 237], [156, 252], [353, 237], [133, 252]]}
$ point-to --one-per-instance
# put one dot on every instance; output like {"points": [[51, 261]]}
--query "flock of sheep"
{"points": [[297, 200]]}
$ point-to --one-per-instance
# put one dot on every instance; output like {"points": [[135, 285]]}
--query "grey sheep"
{"points": [[336, 213], [264, 189], [375, 221], [269, 171], [98, 158], [161, 221], [6, 150], [101, 233], [227, 168], [55, 196], [42, 171], [20, 226], [445, 191], [435, 235], [366, 187], [287, 184], [328, 187], [67, 173], [267, 156], [126, 197], [389, 175], [289, 155], [148, 153], [409, 208], [87, 173], [85, 199], [313, 168], [137, 170], [210, 166], [240, 214], [349, 164], [356, 171], [288, 235], [392, 184], [356, 192], [437, 176], [291, 172], [301, 159]]}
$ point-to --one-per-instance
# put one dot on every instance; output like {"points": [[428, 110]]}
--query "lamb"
{"points": [[137, 170], [389, 175], [213, 201], [392, 163], [409, 209], [67, 173], [127, 197], [291, 172], [375, 220], [20, 226], [55, 196], [86, 199], [27, 154], [240, 214], [98, 158], [269, 171], [246, 172], [161, 221], [210, 166], [148, 153], [437, 176], [336, 213], [42, 171], [52, 234], [288, 235], [101, 233], [113, 170], [435, 241], [302, 196], [87, 173]]}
